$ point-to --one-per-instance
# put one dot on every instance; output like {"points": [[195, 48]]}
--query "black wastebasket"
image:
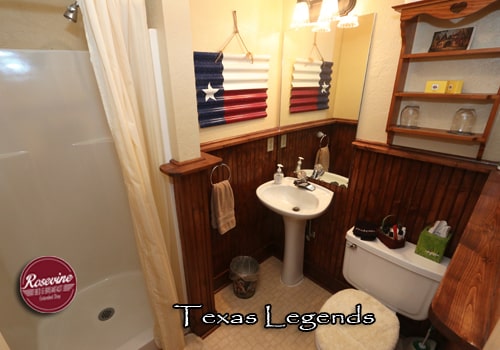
{"points": [[243, 271]]}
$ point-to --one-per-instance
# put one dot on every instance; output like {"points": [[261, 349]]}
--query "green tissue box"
{"points": [[431, 246]]}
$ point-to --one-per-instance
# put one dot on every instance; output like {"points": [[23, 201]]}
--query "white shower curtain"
{"points": [[3, 343], [118, 41]]}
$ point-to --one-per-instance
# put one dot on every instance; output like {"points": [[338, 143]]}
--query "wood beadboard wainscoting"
{"points": [[466, 307], [259, 232], [417, 187]]}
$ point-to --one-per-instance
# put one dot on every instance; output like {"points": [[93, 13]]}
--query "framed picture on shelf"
{"points": [[452, 39]]}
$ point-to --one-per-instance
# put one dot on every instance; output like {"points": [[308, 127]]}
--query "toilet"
{"points": [[386, 281]]}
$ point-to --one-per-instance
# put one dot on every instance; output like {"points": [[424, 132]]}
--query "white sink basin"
{"points": [[296, 206], [288, 200]]}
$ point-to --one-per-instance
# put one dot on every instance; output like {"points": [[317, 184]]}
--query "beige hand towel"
{"points": [[222, 205], [323, 157]]}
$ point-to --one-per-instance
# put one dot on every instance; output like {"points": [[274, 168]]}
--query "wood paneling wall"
{"points": [[324, 254], [418, 189], [251, 165], [260, 232], [417, 192], [191, 198], [305, 143], [466, 306], [342, 136]]}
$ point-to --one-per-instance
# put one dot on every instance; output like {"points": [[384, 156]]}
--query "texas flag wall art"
{"points": [[230, 88], [310, 85]]}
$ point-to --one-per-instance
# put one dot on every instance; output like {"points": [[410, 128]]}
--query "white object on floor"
{"points": [[381, 334]]}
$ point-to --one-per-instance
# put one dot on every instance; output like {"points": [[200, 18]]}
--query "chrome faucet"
{"points": [[301, 176], [304, 184], [302, 181]]}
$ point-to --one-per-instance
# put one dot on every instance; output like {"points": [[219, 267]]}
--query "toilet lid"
{"points": [[358, 321]]}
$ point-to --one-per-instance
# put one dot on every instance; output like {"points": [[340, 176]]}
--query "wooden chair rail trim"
{"points": [[174, 168], [238, 140], [427, 156]]}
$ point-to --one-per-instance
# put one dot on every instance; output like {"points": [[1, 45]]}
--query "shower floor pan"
{"points": [[111, 314]]}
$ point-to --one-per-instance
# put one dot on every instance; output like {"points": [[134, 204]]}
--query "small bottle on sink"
{"points": [[278, 175]]}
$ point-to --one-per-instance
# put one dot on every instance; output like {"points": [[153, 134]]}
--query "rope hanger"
{"points": [[236, 33], [315, 46]]}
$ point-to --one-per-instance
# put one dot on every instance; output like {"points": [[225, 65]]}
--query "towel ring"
{"points": [[218, 166], [321, 141]]}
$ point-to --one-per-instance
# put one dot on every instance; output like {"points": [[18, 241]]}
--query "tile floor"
{"points": [[304, 298]]}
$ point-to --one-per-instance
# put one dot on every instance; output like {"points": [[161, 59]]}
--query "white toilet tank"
{"points": [[402, 280]]}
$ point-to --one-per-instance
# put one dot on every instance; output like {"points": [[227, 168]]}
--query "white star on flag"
{"points": [[210, 93], [324, 88]]}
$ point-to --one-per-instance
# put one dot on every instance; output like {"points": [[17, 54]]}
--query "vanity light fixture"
{"points": [[329, 12], [348, 21], [71, 12], [300, 16]]}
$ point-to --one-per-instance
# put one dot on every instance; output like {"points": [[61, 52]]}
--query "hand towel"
{"points": [[222, 205], [323, 157]]}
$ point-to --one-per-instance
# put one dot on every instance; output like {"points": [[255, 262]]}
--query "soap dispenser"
{"points": [[278, 175]]}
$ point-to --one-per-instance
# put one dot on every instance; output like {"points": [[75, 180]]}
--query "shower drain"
{"points": [[106, 314]]}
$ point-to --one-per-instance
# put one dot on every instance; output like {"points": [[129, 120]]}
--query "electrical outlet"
{"points": [[283, 141], [270, 144]]}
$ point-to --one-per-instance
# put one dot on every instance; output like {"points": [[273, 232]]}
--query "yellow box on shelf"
{"points": [[436, 86], [454, 86]]}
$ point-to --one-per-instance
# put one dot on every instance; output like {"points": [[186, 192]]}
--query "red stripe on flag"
{"points": [[297, 92], [242, 96], [304, 99], [242, 105]]}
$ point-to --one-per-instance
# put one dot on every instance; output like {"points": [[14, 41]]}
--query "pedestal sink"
{"points": [[296, 206]]}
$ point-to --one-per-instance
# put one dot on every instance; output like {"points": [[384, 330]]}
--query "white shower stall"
{"points": [[62, 194]]}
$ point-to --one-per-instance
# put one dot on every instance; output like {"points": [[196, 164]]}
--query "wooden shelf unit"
{"points": [[440, 10]]}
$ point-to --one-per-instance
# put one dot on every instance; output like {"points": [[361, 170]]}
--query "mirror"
{"points": [[347, 48]]}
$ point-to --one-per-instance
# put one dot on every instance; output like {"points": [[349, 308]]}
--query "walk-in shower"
{"points": [[62, 194]]}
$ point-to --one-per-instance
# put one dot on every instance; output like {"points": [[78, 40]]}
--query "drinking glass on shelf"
{"points": [[463, 121], [409, 117]]}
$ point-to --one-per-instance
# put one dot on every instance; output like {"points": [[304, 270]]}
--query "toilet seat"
{"points": [[381, 334]]}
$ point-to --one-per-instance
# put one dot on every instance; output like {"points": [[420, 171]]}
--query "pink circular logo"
{"points": [[48, 284]]}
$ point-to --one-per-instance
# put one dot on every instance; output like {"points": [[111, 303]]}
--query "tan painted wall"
{"points": [[379, 84], [31, 24], [259, 23], [206, 26]]}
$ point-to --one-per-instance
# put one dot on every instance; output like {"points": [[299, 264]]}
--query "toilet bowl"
{"points": [[387, 281]]}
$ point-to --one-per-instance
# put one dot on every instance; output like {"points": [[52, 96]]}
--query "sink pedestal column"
{"points": [[293, 257]]}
